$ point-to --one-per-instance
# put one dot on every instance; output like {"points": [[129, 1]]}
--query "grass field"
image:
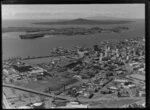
{"points": [[52, 83]]}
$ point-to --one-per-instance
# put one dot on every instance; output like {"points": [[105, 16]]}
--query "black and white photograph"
{"points": [[73, 56]]}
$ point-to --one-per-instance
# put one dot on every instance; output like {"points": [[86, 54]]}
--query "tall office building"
{"points": [[100, 57]]}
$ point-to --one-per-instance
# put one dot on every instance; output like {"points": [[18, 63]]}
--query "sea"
{"points": [[13, 46]]}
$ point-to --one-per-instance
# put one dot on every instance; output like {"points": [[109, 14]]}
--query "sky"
{"points": [[71, 11]]}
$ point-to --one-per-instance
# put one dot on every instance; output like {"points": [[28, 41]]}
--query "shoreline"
{"points": [[46, 56]]}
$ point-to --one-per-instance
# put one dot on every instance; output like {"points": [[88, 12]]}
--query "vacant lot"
{"points": [[112, 103], [52, 83], [38, 60]]}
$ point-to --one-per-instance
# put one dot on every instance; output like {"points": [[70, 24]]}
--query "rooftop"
{"points": [[138, 76]]}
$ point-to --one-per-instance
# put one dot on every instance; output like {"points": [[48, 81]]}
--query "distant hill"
{"points": [[100, 17], [82, 21]]}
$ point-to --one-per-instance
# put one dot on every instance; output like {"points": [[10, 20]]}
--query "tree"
{"points": [[96, 48], [96, 90], [91, 95], [119, 94], [11, 81]]}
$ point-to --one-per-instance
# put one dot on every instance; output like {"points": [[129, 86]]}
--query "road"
{"points": [[39, 92], [141, 102], [67, 97], [109, 99], [6, 104]]}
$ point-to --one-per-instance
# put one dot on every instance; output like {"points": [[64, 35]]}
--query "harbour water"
{"points": [[13, 46]]}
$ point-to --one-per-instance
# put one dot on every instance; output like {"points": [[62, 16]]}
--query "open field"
{"points": [[112, 103], [52, 83], [38, 60]]}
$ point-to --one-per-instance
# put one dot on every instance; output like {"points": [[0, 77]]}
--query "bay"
{"points": [[13, 46]]}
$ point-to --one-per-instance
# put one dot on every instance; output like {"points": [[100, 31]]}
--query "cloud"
{"points": [[70, 11], [46, 15]]}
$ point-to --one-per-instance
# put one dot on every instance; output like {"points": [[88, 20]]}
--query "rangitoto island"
{"points": [[81, 21]]}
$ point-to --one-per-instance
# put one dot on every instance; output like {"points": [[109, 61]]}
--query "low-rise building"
{"points": [[74, 105], [142, 93], [5, 71], [120, 80], [138, 77], [36, 70], [113, 88]]}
